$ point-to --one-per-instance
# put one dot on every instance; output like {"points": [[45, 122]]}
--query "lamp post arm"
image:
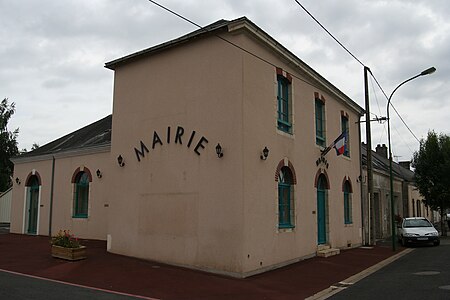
{"points": [[398, 86]]}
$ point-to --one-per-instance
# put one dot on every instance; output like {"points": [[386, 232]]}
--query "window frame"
{"points": [[286, 209], [284, 104], [320, 122], [81, 188], [348, 210], [345, 127]]}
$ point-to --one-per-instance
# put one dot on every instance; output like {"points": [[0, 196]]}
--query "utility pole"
{"points": [[370, 204]]}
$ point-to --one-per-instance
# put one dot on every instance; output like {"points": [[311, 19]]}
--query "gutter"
{"points": [[51, 199]]}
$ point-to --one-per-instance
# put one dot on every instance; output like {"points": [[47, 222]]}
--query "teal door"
{"points": [[321, 238], [321, 211], [33, 207]]}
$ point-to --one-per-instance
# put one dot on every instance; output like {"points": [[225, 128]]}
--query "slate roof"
{"points": [[381, 163], [93, 135]]}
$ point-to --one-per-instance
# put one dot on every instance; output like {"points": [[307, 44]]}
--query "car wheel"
{"points": [[436, 243]]}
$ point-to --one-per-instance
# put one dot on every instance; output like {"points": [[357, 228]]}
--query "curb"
{"points": [[336, 288]]}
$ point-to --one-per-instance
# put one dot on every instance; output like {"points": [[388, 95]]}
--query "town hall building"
{"points": [[212, 159]]}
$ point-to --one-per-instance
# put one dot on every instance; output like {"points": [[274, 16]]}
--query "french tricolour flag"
{"points": [[339, 143]]}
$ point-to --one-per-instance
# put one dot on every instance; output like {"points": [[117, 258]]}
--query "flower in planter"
{"points": [[65, 239]]}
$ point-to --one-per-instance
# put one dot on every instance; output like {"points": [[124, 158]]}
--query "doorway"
{"points": [[32, 205], [322, 210]]}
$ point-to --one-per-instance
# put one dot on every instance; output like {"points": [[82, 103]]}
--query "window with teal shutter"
{"points": [[347, 204], [284, 105], [320, 123], [344, 125], [285, 199], [81, 196]]}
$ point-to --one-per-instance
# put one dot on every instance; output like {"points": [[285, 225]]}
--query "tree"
{"points": [[8, 144], [33, 147], [432, 172]]}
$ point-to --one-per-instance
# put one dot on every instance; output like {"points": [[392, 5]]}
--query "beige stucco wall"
{"points": [[211, 213], [177, 206], [415, 196], [381, 186], [93, 227], [264, 244]]}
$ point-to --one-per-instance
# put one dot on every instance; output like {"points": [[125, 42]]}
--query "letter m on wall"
{"points": [[141, 153]]}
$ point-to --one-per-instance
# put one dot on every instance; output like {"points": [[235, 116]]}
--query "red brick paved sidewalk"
{"points": [[31, 255]]}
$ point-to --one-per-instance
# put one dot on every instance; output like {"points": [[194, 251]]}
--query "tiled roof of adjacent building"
{"points": [[93, 135], [381, 164]]}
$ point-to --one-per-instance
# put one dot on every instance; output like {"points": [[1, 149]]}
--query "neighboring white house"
{"points": [[5, 206]]}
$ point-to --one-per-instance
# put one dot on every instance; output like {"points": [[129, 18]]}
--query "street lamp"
{"points": [[391, 179]]}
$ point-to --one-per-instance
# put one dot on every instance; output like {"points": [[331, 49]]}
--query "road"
{"points": [[422, 274], [15, 287]]}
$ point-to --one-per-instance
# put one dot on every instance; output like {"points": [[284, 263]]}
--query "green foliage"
{"points": [[8, 144], [65, 239], [432, 170]]}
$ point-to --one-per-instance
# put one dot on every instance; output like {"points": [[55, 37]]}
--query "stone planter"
{"points": [[69, 253]]}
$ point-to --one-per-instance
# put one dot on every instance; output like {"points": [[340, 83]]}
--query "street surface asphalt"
{"points": [[422, 274], [105, 275]]}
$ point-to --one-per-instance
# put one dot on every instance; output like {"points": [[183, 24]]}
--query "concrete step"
{"points": [[328, 252], [323, 247]]}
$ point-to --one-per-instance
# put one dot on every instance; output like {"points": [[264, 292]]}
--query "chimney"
{"points": [[405, 164], [382, 150]]}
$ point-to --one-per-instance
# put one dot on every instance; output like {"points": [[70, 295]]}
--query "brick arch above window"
{"points": [[284, 74], [319, 97], [316, 180], [344, 114], [347, 179], [286, 163], [33, 173], [81, 169]]}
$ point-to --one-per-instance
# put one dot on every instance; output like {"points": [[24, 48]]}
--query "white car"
{"points": [[417, 230]]}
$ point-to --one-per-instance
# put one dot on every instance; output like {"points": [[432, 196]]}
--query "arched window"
{"points": [[285, 198], [347, 189], [81, 195]]}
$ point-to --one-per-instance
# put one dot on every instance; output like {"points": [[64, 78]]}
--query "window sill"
{"points": [[321, 142], [284, 133], [79, 217], [286, 228], [348, 225]]}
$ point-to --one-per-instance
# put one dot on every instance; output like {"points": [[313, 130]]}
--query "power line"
{"points": [[376, 98], [359, 61], [329, 33], [379, 109], [230, 42], [392, 105], [412, 152]]}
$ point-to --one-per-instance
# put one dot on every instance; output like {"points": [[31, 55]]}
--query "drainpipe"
{"points": [[51, 198]]}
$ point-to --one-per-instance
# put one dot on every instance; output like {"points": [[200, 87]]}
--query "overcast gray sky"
{"points": [[52, 55]]}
